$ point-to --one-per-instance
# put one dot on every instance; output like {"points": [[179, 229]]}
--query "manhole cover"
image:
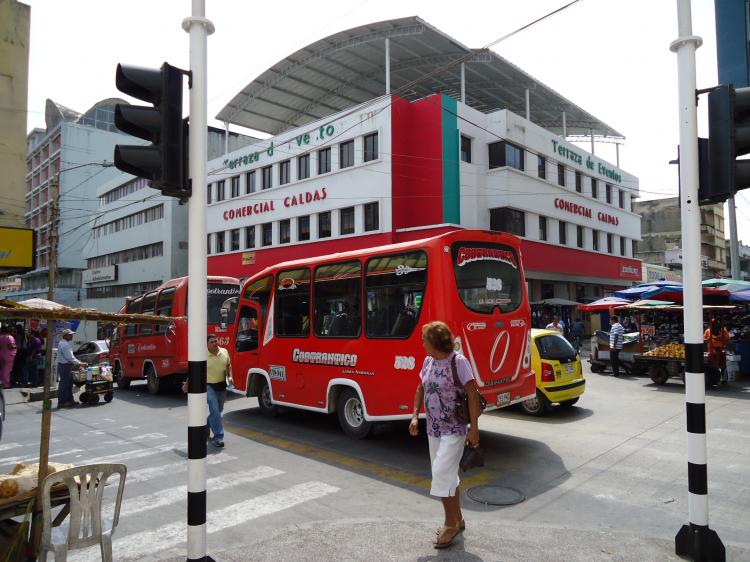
{"points": [[496, 495]]}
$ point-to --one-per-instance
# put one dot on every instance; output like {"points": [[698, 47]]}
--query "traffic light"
{"points": [[728, 138], [165, 161]]}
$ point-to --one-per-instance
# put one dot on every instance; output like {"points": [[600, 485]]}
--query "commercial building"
{"points": [[462, 138], [744, 253]]}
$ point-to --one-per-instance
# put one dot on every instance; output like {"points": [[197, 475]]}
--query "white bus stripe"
{"points": [[170, 469], [140, 544]]}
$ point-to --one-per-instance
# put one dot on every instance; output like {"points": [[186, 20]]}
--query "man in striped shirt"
{"points": [[616, 333]]}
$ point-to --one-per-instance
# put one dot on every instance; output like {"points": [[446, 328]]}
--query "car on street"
{"points": [[92, 352], [559, 375]]}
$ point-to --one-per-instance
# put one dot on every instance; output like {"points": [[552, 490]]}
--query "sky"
{"points": [[609, 57]]}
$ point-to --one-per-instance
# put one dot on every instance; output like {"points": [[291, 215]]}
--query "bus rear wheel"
{"points": [[264, 399], [122, 381], [537, 406], [351, 413], [152, 380]]}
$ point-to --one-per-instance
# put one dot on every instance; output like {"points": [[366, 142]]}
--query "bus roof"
{"points": [[211, 279]]}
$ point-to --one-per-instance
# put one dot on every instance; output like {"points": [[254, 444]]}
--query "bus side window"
{"points": [[260, 292], [134, 307], [292, 308], [164, 308], [247, 329], [337, 305], [148, 308], [395, 287]]}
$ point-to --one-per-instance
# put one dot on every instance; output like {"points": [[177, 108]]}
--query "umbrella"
{"points": [[740, 296], [636, 291], [731, 285], [603, 304]]}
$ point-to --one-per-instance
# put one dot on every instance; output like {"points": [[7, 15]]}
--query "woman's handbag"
{"points": [[472, 457], [463, 414]]}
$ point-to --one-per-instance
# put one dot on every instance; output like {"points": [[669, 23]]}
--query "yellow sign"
{"points": [[17, 247], [248, 258]]}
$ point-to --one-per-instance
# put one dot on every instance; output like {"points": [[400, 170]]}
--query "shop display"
{"points": [[670, 351]]}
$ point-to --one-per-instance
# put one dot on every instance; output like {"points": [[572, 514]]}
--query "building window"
{"points": [[346, 221], [220, 191], [303, 167], [371, 147], [284, 168], [220, 237], [346, 154], [292, 310], [303, 228], [324, 161], [632, 247], [595, 239], [372, 216], [621, 198], [562, 232], [285, 234], [610, 244], [234, 244], [208, 244], [505, 154], [338, 295], [579, 236], [324, 225], [542, 167], [250, 182], [622, 246], [594, 190], [465, 149], [266, 177], [505, 219], [267, 234], [561, 175], [235, 186], [579, 182], [542, 228], [250, 237], [608, 192], [208, 194]]}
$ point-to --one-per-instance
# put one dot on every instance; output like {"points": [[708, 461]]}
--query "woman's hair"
{"points": [[439, 336]]}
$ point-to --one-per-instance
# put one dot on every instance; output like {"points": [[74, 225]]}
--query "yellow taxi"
{"points": [[559, 376]]}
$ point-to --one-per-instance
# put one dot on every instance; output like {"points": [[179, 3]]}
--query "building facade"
{"points": [[744, 253]]}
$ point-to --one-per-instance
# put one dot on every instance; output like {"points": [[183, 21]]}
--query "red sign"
{"points": [[306, 197], [247, 210], [585, 211]]}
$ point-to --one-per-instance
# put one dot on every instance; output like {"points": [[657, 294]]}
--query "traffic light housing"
{"points": [[728, 138], [164, 162]]}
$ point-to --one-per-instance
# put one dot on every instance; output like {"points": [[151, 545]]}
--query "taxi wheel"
{"points": [[569, 403], [537, 406], [351, 414]]}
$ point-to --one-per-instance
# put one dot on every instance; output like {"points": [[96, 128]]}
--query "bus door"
{"points": [[132, 363], [246, 343]]}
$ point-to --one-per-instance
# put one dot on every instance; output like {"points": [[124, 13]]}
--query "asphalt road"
{"points": [[606, 480]]}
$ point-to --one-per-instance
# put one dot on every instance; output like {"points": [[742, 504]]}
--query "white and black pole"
{"points": [[199, 29], [694, 540]]}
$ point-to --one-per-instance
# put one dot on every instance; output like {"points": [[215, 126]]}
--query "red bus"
{"points": [[159, 353], [342, 333]]}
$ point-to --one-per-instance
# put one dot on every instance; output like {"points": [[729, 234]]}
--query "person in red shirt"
{"points": [[716, 338]]}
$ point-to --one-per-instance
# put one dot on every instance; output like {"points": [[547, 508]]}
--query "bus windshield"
{"points": [[487, 276], [217, 294]]}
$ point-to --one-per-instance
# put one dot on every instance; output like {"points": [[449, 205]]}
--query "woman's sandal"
{"points": [[461, 527], [437, 543]]}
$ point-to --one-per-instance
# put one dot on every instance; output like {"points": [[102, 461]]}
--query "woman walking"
{"points": [[446, 434], [7, 355]]}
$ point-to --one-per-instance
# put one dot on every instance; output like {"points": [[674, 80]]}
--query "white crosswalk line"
{"points": [[138, 545], [8, 446], [170, 469], [131, 506], [137, 454], [148, 436], [35, 458]]}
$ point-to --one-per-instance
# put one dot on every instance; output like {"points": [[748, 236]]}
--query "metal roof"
{"points": [[348, 68]]}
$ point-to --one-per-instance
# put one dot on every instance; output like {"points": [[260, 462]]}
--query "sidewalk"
{"points": [[26, 394]]}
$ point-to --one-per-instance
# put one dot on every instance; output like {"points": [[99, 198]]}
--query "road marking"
{"points": [[138, 504], [129, 455], [8, 446], [363, 467], [148, 436], [140, 544], [35, 458], [170, 469]]}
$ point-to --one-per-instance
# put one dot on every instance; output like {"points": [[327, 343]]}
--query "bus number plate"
{"points": [[503, 398]]}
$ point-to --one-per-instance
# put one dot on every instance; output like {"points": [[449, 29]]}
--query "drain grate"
{"points": [[496, 495]]}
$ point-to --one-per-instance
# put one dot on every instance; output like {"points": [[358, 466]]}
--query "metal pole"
{"points": [[199, 28], [695, 541], [591, 132], [226, 137], [463, 83], [387, 65], [528, 106], [734, 247], [617, 153], [565, 126]]}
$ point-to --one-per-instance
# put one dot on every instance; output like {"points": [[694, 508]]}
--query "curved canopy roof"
{"points": [[348, 68]]}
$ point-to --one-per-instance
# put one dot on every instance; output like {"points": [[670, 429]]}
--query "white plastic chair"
{"points": [[84, 526]]}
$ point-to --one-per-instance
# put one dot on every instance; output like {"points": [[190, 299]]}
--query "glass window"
{"points": [[260, 291], [608, 192], [303, 167], [579, 182], [250, 236], [284, 172], [346, 221], [292, 308], [610, 244], [595, 236], [208, 194], [394, 289], [372, 216], [220, 236], [505, 219], [234, 244], [164, 308], [346, 154], [542, 228], [594, 189], [504, 153], [324, 224], [487, 276], [371, 147], [621, 198], [149, 302], [324, 161], [561, 175], [235, 186], [133, 307], [217, 295], [337, 307], [266, 177], [555, 347], [220, 196], [579, 236], [250, 182], [208, 244], [541, 169], [303, 228], [465, 149], [622, 246], [247, 329], [562, 232], [285, 231], [267, 234]]}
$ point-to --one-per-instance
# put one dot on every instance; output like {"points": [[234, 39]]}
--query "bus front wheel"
{"points": [[122, 381], [351, 414], [152, 380], [264, 399]]}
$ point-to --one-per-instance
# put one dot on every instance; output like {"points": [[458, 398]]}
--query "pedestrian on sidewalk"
{"points": [[616, 333], [65, 362], [33, 351], [576, 333], [556, 324], [19, 364], [7, 355], [445, 433]]}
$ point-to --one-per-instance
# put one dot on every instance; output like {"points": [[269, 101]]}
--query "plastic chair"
{"points": [[84, 526]]}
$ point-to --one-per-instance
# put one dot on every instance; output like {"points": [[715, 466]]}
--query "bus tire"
{"points": [[122, 381], [351, 413], [264, 399], [537, 406], [152, 380]]}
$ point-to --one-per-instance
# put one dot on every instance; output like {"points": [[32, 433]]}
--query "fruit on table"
{"points": [[669, 351]]}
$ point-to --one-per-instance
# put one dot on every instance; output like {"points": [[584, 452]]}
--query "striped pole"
{"points": [[695, 540], [199, 28]]}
